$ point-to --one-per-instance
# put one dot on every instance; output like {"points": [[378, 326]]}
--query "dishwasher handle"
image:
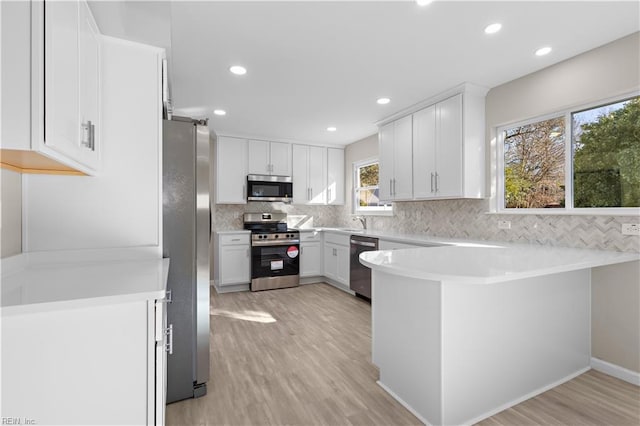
{"points": [[364, 243]]}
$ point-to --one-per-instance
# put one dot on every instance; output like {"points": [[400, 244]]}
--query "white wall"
{"points": [[11, 213]]}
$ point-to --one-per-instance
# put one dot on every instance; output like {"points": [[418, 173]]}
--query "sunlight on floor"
{"points": [[254, 316]]}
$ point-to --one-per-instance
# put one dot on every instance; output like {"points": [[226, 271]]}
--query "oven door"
{"points": [[275, 260]]}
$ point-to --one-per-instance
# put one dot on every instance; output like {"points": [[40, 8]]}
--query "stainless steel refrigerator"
{"points": [[186, 241]]}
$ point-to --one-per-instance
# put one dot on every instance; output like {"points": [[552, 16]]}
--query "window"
{"points": [[587, 158], [365, 182]]}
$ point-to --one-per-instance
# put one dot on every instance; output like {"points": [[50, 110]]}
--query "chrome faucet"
{"points": [[362, 219]]}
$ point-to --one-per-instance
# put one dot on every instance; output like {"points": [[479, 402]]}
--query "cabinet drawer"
{"points": [[234, 239], [340, 239], [310, 236]]}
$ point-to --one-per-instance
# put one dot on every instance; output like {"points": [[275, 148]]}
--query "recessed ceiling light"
{"points": [[423, 2], [383, 101], [331, 129], [493, 28], [543, 51], [238, 70], [219, 112]]}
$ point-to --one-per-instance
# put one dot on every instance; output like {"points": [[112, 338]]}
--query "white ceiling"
{"points": [[317, 64]]}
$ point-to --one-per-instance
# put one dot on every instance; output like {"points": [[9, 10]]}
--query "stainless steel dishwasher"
{"points": [[360, 275]]}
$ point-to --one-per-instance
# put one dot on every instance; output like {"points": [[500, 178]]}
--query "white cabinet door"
{"points": [[16, 75], [309, 174], [62, 126], [310, 259], [385, 177], [402, 159], [335, 176], [235, 264], [330, 260], [424, 147], [89, 44], [258, 163], [280, 158], [342, 268], [449, 147], [300, 174], [231, 170], [269, 158], [317, 167]]}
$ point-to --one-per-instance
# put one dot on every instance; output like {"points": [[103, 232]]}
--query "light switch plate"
{"points": [[630, 229]]}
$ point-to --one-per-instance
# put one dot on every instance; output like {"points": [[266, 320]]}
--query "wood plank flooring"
{"points": [[302, 356]]}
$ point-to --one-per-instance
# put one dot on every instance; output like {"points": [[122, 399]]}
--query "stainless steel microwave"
{"points": [[269, 188]]}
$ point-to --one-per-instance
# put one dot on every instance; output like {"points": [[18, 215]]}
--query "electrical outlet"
{"points": [[504, 224], [630, 229]]}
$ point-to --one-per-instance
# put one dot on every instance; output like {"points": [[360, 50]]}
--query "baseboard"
{"points": [[311, 280], [230, 288], [616, 371], [404, 404], [339, 286]]}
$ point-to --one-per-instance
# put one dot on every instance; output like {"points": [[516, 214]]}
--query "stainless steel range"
{"points": [[275, 251]]}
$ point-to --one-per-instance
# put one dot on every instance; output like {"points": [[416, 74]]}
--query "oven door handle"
{"points": [[271, 243]]}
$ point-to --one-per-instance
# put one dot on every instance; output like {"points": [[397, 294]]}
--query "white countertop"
{"points": [[488, 263], [41, 286]]}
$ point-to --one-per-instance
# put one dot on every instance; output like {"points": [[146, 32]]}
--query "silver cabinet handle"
{"points": [[235, 239], [310, 194], [437, 182], [431, 181], [391, 187], [244, 192], [329, 195], [86, 134], [394, 187], [93, 137], [168, 346]]}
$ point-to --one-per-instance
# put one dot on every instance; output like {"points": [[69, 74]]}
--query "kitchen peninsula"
{"points": [[461, 333]]}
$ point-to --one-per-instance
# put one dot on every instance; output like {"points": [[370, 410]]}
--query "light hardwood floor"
{"points": [[302, 356]]}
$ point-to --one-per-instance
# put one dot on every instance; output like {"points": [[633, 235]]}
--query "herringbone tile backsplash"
{"points": [[457, 219], [468, 219]]}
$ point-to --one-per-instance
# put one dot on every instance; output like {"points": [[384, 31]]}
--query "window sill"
{"points": [[373, 213], [628, 211]]}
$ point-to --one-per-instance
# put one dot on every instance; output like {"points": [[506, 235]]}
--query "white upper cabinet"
{"points": [[63, 94], [448, 148], [395, 178], [447, 152], [231, 170], [437, 150], [269, 158], [309, 174], [335, 176]]}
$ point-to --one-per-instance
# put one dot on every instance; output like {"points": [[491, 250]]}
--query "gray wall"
{"points": [[11, 207], [601, 73]]}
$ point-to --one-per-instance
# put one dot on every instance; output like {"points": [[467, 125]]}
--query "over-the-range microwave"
{"points": [[269, 188]]}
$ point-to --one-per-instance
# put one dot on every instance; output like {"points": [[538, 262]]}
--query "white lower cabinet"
{"points": [[311, 249], [336, 258], [233, 259], [86, 364]]}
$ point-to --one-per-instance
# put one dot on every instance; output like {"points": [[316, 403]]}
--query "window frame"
{"points": [[366, 211], [569, 209]]}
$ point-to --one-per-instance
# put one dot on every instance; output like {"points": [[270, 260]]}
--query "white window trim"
{"points": [[568, 210], [370, 211]]}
